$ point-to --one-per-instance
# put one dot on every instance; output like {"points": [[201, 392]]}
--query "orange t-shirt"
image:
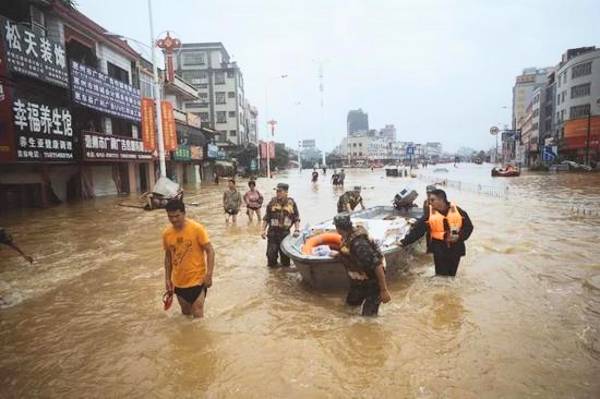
{"points": [[187, 253]]}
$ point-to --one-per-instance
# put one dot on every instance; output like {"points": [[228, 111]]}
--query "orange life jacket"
{"points": [[436, 222]]}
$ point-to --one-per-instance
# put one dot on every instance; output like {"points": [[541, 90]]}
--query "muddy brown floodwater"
{"points": [[522, 319]]}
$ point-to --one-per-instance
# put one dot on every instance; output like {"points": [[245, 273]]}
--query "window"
{"points": [[203, 97], [353, 144], [360, 154], [117, 73], [233, 133], [219, 78], [581, 70], [195, 77], [580, 90], [204, 117], [221, 117], [230, 74], [232, 114], [231, 94], [194, 59], [360, 144], [562, 115], [146, 86], [220, 97], [562, 96], [579, 111]]}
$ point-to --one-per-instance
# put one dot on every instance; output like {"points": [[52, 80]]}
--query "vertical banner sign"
{"points": [[168, 125], [267, 148], [148, 124]]}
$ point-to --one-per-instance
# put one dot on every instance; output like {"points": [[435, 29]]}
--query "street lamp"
{"points": [[494, 132], [268, 122]]}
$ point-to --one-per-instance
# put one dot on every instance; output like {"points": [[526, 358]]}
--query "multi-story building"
{"points": [[577, 104], [388, 133], [220, 84], [530, 128], [73, 115], [433, 151], [357, 122], [526, 83]]}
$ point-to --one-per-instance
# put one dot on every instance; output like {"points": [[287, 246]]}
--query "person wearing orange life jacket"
{"points": [[448, 226]]}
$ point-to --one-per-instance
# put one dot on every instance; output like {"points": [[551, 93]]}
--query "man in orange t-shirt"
{"points": [[189, 260]]}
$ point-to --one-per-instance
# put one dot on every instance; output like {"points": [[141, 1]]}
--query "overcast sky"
{"points": [[437, 70]]}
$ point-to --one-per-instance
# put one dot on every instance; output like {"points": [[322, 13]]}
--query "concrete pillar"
{"points": [[179, 173], [197, 177], [150, 177], [132, 173]]}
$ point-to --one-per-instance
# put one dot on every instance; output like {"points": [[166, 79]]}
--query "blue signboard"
{"points": [[548, 153], [98, 91], [212, 151], [410, 150], [253, 165]]}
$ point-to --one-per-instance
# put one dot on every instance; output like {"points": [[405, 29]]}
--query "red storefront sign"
{"points": [[576, 132], [271, 150], [168, 125], [148, 124]]}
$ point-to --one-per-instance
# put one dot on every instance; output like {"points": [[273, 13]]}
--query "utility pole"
{"points": [[161, 142], [272, 124]]}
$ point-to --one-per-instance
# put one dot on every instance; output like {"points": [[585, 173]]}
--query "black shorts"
{"points": [[232, 212], [190, 294]]}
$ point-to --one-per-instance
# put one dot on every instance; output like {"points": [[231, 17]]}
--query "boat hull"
{"points": [[325, 273]]}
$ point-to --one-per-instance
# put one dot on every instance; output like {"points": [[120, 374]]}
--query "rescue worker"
{"points": [[281, 214], [6, 239], [448, 226], [365, 266], [350, 200]]}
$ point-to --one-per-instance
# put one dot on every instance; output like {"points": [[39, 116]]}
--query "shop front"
{"points": [[37, 159]]}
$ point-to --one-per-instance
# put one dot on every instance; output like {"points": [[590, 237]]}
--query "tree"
{"points": [[245, 155], [282, 156]]}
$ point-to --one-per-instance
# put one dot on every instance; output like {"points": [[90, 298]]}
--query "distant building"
{"points": [[357, 122], [388, 133], [433, 151], [525, 84], [220, 85]]}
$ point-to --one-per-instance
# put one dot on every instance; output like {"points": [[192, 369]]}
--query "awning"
{"points": [[190, 135]]}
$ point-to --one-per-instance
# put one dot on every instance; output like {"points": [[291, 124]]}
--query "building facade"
{"points": [[220, 84], [577, 104], [70, 108], [525, 84]]}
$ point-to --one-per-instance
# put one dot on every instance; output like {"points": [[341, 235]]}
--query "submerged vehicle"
{"points": [[386, 226]]}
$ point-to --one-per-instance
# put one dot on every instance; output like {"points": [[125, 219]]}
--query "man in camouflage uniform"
{"points": [[349, 200], [281, 214], [365, 264]]}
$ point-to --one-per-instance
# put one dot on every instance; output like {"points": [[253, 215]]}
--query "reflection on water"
{"points": [[522, 317]]}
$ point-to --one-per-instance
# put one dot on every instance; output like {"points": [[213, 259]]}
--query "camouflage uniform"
{"points": [[349, 197], [361, 257], [280, 217]]}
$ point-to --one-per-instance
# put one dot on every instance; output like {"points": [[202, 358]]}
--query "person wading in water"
{"points": [[281, 214], [189, 260], [253, 200], [232, 200], [448, 227], [365, 266]]}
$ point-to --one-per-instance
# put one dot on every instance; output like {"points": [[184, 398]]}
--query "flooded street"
{"points": [[522, 318]]}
